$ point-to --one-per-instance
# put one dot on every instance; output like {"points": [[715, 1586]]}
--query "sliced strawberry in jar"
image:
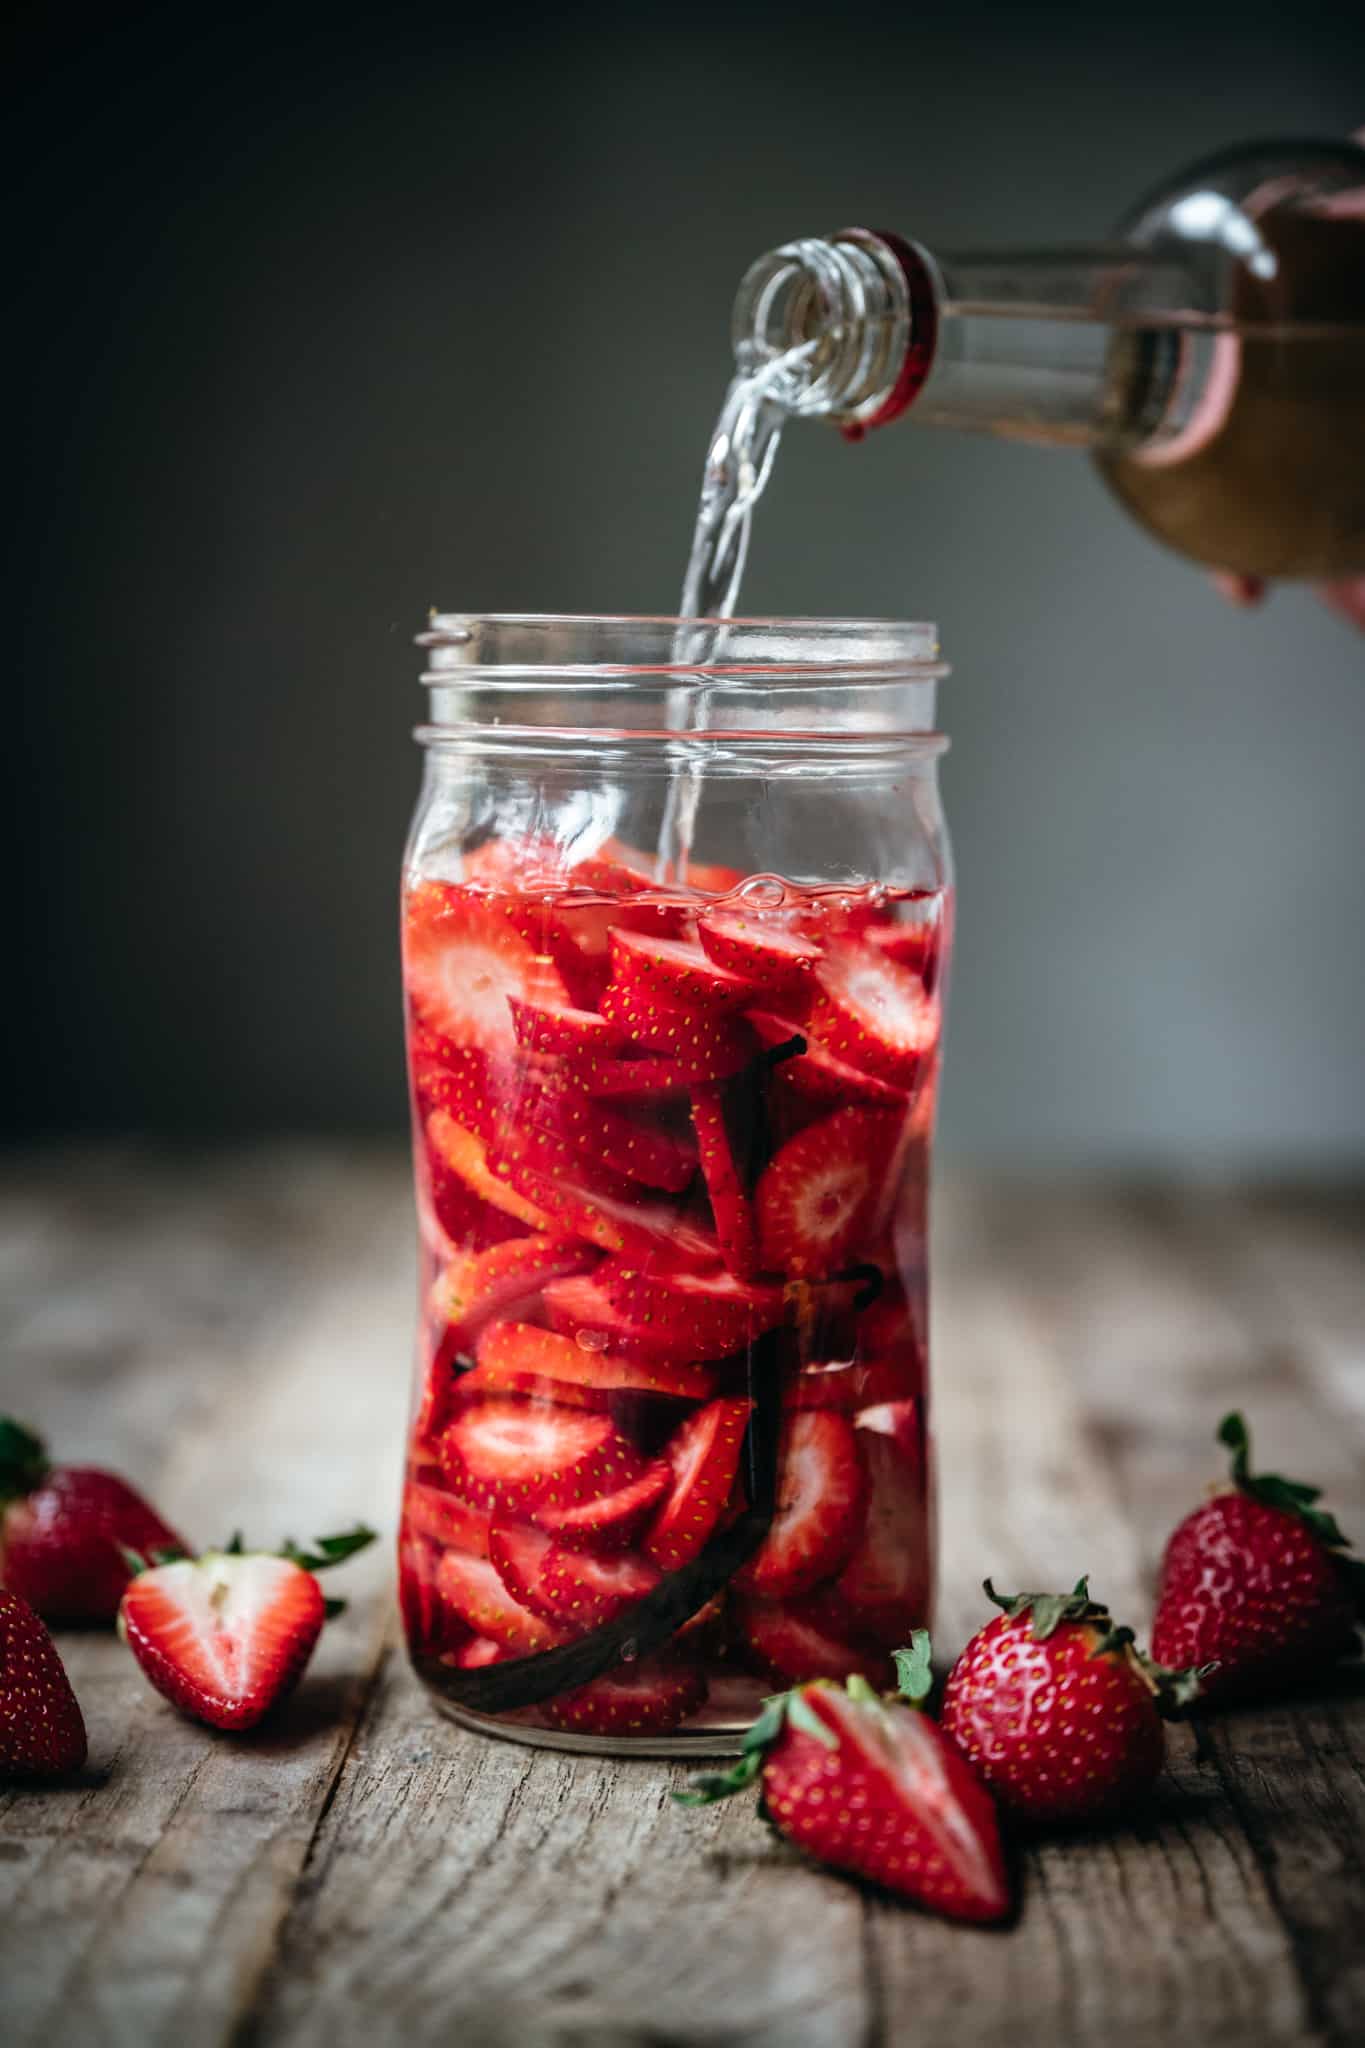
{"points": [[649, 1698], [616, 1224], [471, 1291], [430, 1624], [461, 1152], [510, 1455], [559, 1028], [704, 1457], [477, 1654], [431, 1511], [816, 1075], [462, 960], [524, 1348], [609, 1521], [652, 1075], [816, 1196], [571, 1587], [653, 969], [910, 945], [850, 1384], [705, 1309], [821, 1491], [625, 1144], [474, 1588], [873, 1013], [804, 1639], [779, 960], [708, 1043], [579, 1309], [885, 1585], [730, 1202]]}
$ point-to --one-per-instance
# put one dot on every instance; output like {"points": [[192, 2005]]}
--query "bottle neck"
{"points": [[1080, 347]]}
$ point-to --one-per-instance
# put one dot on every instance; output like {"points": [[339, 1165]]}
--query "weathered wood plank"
{"points": [[142, 1906]]}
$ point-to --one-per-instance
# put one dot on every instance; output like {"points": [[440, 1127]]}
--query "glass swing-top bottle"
{"points": [[1211, 357]]}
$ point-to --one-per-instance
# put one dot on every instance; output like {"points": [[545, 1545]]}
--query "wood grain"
{"points": [[234, 1332]]}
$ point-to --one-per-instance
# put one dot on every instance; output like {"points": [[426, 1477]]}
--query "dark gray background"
{"points": [[319, 321]]}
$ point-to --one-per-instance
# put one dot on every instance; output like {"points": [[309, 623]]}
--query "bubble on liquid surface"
{"points": [[591, 1340], [630, 1650], [765, 892]]}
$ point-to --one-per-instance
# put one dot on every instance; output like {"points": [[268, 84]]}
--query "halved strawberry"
{"points": [[816, 1196], [779, 960], [558, 1028], [648, 1698], [578, 1308], [570, 1587], [521, 1349], [223, 1636], [730, 1202], [821, 1492], [709, 1043], [462, 960], [650, 969], [801, 1639], [474, 1589], [816, 1075], [885, 1586], [511, 1455], [471, 1291], [704, 1456], [459, 1151], [609, 1520], [431, 1510], [706, 1309], [873, 1013]]}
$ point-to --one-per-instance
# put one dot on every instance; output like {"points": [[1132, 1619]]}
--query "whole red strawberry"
{"points": [[1056, 1711], [870, 1785], [64, 1529], [1257, 1582], [42, 1734]]}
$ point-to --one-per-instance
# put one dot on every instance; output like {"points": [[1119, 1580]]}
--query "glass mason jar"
{"points": [[675, 935]]}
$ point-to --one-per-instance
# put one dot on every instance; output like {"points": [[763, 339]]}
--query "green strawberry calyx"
{"points": [[326, 1552], [1172, 1690], [1293, 1497], [24, 1462], [793, 1709]]}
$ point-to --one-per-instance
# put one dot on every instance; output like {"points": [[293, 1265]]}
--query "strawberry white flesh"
{"points": [[223, 1637]]}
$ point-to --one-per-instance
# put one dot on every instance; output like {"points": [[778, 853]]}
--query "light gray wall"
{"points": [[385, 317]]}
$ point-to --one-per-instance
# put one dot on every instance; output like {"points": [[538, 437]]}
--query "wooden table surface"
{"points": [[233, 1331]]}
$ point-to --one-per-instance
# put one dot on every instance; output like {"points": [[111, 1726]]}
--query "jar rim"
{"points": [[586, 647]]}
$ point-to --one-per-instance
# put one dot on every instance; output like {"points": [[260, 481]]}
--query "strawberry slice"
{"points": [[821, 1492], [816, 1074], [852, 1384], [706, 1309], [802, 1639], [710, 1043], [654, 1076], [443, 1518], [462, 960], [430, 1626], [507, 1454], [873, 1013], [781, 962], [471, 1291], [730, 1203], [712, 877], [223, 1636], [649, 1698], [457, 1150], [558, 1028], [651, 969], [473, 1588], [522, 1350], [477, 1654], [704, 1456], [816, 1195], [885, 1586], [610, 1520], [573, 1588], [613, 1138], [910, 945], [614, 1223], [578, 1308]]}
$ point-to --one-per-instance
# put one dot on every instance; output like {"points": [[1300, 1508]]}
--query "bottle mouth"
{"points": [[852, 320], [570, 647]]}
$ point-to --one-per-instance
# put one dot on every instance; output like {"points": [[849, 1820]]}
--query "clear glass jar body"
{"points": [[672, 1114]]}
